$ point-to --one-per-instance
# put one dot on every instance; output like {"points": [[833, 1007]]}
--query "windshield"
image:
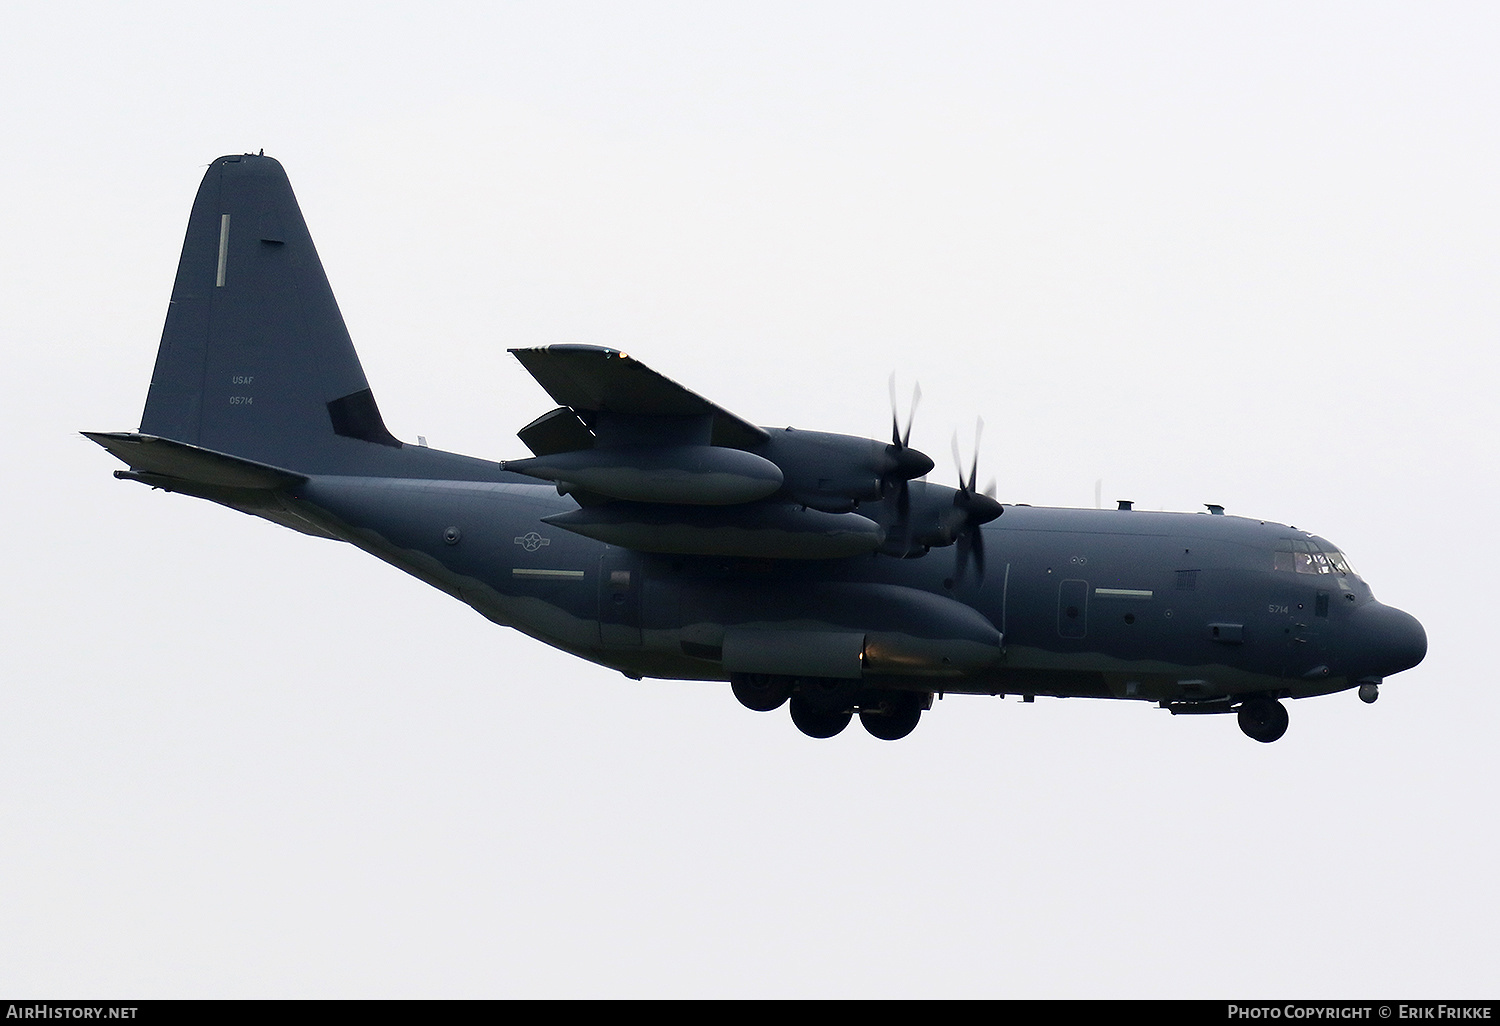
{"points": [[1310, 556]]}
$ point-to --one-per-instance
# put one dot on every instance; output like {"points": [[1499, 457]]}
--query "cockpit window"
{"points": [[1307, 556]]}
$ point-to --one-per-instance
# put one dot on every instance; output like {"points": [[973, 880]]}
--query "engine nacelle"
{"points": [[836, 473]]}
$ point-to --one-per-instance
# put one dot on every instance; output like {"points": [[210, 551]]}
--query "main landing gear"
{"points": [[1263, 718], [822, 707]]}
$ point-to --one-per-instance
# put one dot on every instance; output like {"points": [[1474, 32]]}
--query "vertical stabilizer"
{"points": [[255, 360]]}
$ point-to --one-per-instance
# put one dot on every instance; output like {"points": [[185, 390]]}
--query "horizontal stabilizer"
{"points": [[163, 458]]}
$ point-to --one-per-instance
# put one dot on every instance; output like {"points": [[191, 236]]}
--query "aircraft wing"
{"points": [[593, 379], [656, 467]]}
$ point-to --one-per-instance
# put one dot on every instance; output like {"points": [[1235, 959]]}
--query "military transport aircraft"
{"points": [[657, 533]]}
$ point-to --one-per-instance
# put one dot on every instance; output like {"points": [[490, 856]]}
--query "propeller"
{"points": [[971, 510], [903, 463]]}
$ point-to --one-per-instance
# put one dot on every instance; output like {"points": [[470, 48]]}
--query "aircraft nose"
{"points": [[1392, 639]]}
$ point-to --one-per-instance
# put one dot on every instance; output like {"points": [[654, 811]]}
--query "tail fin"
{"points": [[255, 360]]}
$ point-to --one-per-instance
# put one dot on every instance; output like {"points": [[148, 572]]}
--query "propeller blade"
{"points": [[899, 438], [974, 467], [974, 509], [978, 546], [970, 548], [895, 414]]}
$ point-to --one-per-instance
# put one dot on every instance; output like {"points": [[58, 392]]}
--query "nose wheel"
{"points": [[1263, 718]]}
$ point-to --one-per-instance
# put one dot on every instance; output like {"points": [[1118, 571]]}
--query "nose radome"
{"points": [[1392, 638]]}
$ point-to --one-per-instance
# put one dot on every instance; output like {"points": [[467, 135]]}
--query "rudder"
{"points": [[255, 360]]}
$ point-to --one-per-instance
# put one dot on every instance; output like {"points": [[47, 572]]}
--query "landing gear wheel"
{"points": [[892, 715], [816, 721], [1263, 719], [830, 694], [760, 691]]}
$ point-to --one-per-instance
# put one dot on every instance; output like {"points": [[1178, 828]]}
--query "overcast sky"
{"points": [[1240, 254]]}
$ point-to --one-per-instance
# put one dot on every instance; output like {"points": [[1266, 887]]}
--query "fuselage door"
{"points": [[1306, 635]]}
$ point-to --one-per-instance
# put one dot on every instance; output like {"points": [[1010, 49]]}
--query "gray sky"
{"points": [[1205, 253]]}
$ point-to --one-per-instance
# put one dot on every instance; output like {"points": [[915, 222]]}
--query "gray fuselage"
{"points": [[1167, 607]]}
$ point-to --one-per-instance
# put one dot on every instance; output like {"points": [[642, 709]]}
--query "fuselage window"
{"points": [[1313, 563]]}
